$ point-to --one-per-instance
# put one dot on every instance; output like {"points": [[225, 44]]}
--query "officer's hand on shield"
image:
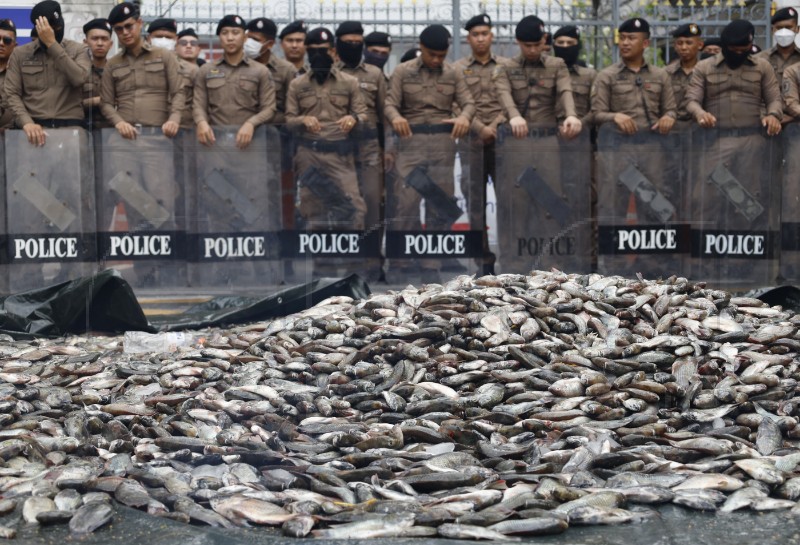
{"points": [[706, 120], [35, 133], [663, 125], [170, 129], [460, 126], [772, 124], [126, 130], [519, 127], [244, 135], [346, 123], [625, 123], [205, 134], [571, 127], [488, 134], [311, 124], [401, 127]]}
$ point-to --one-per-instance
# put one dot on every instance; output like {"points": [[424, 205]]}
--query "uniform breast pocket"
{"points": [[751, 82], [370, 93], [306, 102], [445, 95], [123, 78], [155, 76], [623, 97], [544, 87], [247, 94], [718, 83], [581, 92], [215, 88], [33, 76], [474, 84]]}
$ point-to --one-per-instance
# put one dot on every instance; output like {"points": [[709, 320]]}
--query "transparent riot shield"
{"points": [[3, 225], [790, 206], [735, 208], [141, 218], [543, 201], [641, 207], [235, 211], [50, 204], [330, 236], [429, 235]]}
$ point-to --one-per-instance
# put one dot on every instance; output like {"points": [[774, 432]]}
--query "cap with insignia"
{"points": [[410, 55], [8, 24], [187, 32], [712, 40], [381, 39], [637, 24], [738, 32], [163, 24], [478, 20], [319, 36], [50, 10], [96, 24], [435, 37], [570, 31], [689, 30], [233, 21], [293, 27], [349, 27], [785, 14], [264, 26], [530, 29], [123, 11]]}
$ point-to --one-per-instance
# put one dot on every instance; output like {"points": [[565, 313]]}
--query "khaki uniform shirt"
{"points": [[480, 79], [283, 72], [91, 89], [6, 115], [373, 89], [225, 94], [536, 90], [618, 89], [582, 78], [338, 96], [790, 89], [46, 83], [142, 90], [737, 98], [779, 64], [187, 71], [680, 81], [425, 96]]}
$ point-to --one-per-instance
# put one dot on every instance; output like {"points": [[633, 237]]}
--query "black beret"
{"points": [[738, 32], [188, 32], [637, 24], [233, 21], [123, 11], [162, 24], [97, 24], [349, 27], [478, 20], [435, 37], [689, 30], [49, 9], [8, 24], [712, 40], [570, 31], [378, 38], [291, 28], [530, 29], [410, 55], [264, 26], [319, 36], [784, 14]]}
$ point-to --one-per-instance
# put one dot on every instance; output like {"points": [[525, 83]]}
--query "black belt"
{"points": [[365, 133], [744, 131], [59, 123], [342, 147], [540, 133], [432, 129]]}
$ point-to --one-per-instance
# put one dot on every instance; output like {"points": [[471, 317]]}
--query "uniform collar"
{"points": [[245, 60], [146, 47], [526, 62], [418, 66], [471, 59], [774, 50], [360, 66], [624, 67], [719, 58]]}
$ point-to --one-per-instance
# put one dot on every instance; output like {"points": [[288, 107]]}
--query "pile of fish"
{"points": [[484, 408]]}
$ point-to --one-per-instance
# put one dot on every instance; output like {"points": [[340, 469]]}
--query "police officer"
{"points": [[369, 163], [378, 48], [712, 45], [258, 46], [8, 41], [533, 89], [44, 80], [293, 38], [98, 38], [427, 99], [323, 106], [163, 33], [784, 53], [188, 47], [480, 69], [688, 42], [734, 96], [410, 55], [567, 47]]}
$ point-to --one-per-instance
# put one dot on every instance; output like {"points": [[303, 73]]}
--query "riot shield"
{"points": [[141, 218], [234, 211], [790, 206], [50, 205], [641, 204], [543, 201], [429, 237], [3, 224], [330, 236], [735, 208]]}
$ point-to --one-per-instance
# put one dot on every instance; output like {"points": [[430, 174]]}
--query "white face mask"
{"points": [[164, 43], [252, 48], [785, 37]]}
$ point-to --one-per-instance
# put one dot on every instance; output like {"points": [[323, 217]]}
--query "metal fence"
{"points": [[405, 19]]}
